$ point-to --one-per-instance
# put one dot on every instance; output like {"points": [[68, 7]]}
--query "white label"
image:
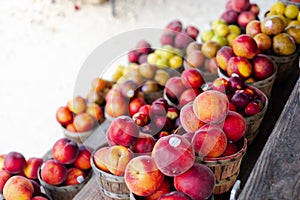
{"points": [[174, 141]]}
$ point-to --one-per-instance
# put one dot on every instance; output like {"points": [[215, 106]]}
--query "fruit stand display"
{"points": [[183, 121]]}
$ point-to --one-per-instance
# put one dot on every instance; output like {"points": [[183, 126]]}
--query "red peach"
{"points": [[240, 66], [39, 198], [140, 119], [234, 126], [71, 128], [95, 111], [167, 38], [53, 172], [32, 166], [174, 195], [263, 41], [133, 56], [230, 16], [245, 46], [188, 119], [4, 176], [245, 17], [175, 25], [230, 150], [252, 108], [192, 77], [77, 104], [116, 106], [239, 5], [18, 187], [98, 84], [192, 31], [220, 84], [135, 104], [64, 116], [173, 154], [253, 28], [174, 87], [65, 151], [188, 96], [143, 47], [83, 159], [100, 158], [36, 187], [198, 182], [263, 67], [182, 40], [209, 141], [211, 65], [117, 158], [172, 113], [84, 122], [144, 144], [254, 8], [142, 176], [145, 109], [223, 55], [195, 59], [123, 131], [74, 176], [211, 106], [165, 188], [14, 162]]}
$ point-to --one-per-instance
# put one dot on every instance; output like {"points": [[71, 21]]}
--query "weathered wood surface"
{"points": [[279, 96], [276, 174]]}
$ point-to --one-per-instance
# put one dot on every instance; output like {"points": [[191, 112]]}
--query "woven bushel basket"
{"points": [[226, 169], [112, 187]]}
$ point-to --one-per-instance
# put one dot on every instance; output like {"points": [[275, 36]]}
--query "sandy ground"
{"points": [[43, 47]]}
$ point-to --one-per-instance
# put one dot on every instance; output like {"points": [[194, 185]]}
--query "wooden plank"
{"points": [[276, 174]]}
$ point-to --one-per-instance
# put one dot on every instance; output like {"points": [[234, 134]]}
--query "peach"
{"points": [[84, 122], [239, 5], [211, 106], [253, 28], [175, 25], [254, 8], [245, 46], [145, 109], [188, 119], [209, 141], [14, 162], [188, 96], [2, 156], [129, 89], [174, 87], [165, 188], [122, 131], [195, 58], [192, 31], [143, 47], [95, 111], [135, 104], [244, 18], [36, 187], [64, 116], [234, 126], [142, 176], [173, 154], [220, 84], [263, 67], [230, 16], [32, 166], [74, 176], [140, 119], [99, 158], [189, 136], [4, 176], [230, 150], [182, 40], [223, 55], [65, 151], [71, 128], [53, 172], [211, 65], [192, 78], [83, 159], [263, 41], [167, 38], [117, 158], [18, 187], [240, 66], [77, 104], [174, 195], [198, 182], [116, 106], [98, 84], [144, 144]]}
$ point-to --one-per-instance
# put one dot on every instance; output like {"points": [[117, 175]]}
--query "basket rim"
{"points": [[227, 159]]}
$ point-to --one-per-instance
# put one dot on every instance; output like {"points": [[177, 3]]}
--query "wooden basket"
{"points": [[226, 169], [286, 65], [265, 85], [62, 192], [112, 187], [78, 137]]}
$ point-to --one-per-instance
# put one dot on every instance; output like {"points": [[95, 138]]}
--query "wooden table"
{"points": [[274, 164]]}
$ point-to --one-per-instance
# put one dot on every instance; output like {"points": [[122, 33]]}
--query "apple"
{"points": [[65, 151], [142, 176]]}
